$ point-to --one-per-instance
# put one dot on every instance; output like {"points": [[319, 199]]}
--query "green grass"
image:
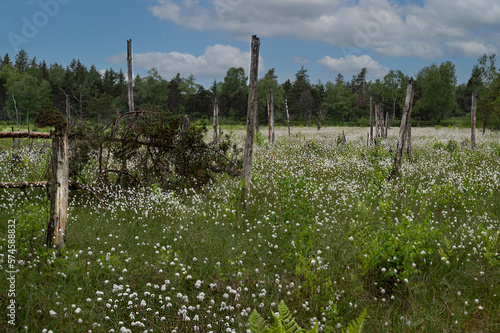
{"points": [[326, 228]]}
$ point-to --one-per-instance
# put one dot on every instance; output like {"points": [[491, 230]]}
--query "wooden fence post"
{"points": [[271, 117], [408, 143], [473, 121], [251, 119], [403, 128], [216, 117], [386, 124], [130, 77], [371, 119], [287, 116], [56, 229]]}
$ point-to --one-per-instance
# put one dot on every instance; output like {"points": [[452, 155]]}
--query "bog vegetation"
{"points": [[330, 240]]}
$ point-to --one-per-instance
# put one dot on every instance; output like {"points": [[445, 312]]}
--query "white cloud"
{"points": [[213, 63], [300, 60], [352, 64], [381, 25]]}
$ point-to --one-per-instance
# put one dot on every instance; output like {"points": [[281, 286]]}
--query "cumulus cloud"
{"points": [[352, 64], [300, 60], [214, 62], [408, 29]]}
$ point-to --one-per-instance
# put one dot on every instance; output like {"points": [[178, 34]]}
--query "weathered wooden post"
{"points": [[216, 117], [473, 121], [320, 118], [386, 124], [371, 119], [251, 119], [271, 117], [408, 143], [56, 229], [130, 77], [287, 116], [403, 128]]}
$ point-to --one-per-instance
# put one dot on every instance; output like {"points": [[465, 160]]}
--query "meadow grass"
{"points": [[329, 231]]}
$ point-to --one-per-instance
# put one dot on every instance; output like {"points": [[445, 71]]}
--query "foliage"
{"points": [[153, 148], [437, 87], [49, 116], [282, 323]]}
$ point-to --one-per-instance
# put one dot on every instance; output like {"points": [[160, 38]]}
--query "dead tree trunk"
{"points": [[473, 121], [130, 77], [251, 119], [271, 117], [216, 117], [320, 118], [56, 229], [287, 116], [376, 121], [371, 119], [403, 128], [32, 135], [408, 143], [386, 124]]}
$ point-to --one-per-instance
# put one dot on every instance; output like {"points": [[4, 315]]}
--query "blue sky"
{"points": [[206, 38]]}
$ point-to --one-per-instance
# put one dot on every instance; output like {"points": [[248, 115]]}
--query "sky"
{"points": [[207, 37]]}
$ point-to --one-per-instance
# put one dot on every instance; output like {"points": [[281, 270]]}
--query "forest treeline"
{"points": [[28, 87]]}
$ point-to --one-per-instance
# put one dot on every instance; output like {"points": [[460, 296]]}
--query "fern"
{"points": [[257, 323], [287, 319], [356, 326], [284, 323]]}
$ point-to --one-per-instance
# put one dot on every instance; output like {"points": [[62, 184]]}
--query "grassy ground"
{"points": [[328, 231]]}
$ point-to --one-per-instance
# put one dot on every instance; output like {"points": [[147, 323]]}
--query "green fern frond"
{"points": [[277, 326], [257, 323], [356, 326], [315, 329]]}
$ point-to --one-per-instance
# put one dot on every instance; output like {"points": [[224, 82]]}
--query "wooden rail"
{"points": [[59, 183]]}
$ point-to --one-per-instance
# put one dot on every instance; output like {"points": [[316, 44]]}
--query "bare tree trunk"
{"points": [[408, 143], [216, 117], [386, 124], [320, 118], [271, 117], [287, 116], [15, 108], [56, 229], [371, 119], [251, 119], [32, 135], [405, 121], [376, 121], [130, 77], [473, 121]]}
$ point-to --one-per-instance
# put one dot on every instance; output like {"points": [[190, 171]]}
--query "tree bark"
{"points": [[271, 117], [371, 119], [130, 77], [376, 121], [408, 143], [473, 121], [56, 229], [32, 135], [216, 117], [386, 124], [403, 128], [287, 116], [251, 119]]}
